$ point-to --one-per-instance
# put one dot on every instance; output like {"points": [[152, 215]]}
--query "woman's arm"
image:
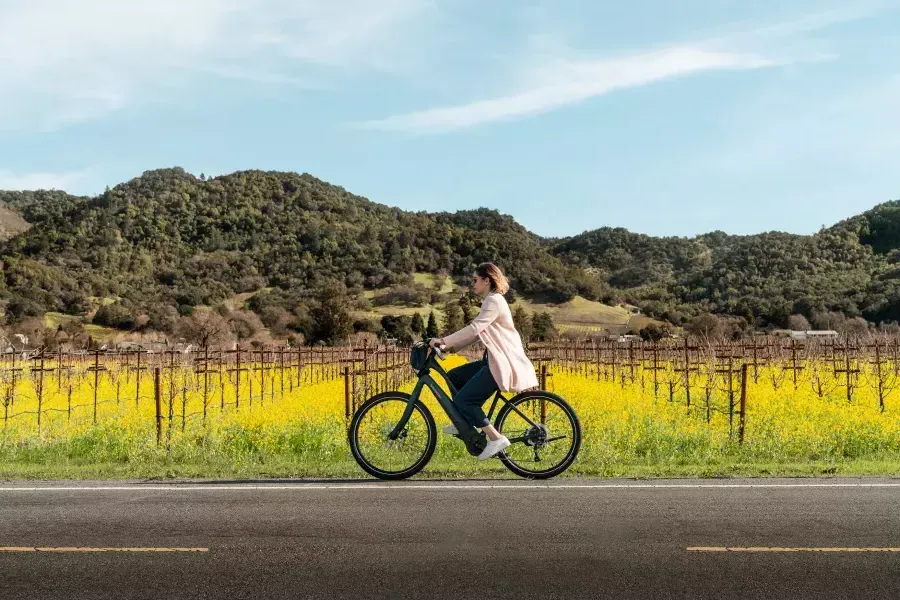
{"points": [[490, 310]]}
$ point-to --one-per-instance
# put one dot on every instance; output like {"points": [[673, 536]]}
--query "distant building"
{"points": [[625, 338], [803, 335]]}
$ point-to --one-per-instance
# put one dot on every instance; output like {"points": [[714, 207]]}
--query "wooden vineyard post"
{"points": [[172, 386], [687, 370], [219, 363], [262, 378], [347, 393], [883, 389], [631, 362], [205, 371], [543, 387], [848, 372], [60, 367], [794, 366], [302, 362], [655, 368], [237, 377], [138, 369], [281, 369], [743, 403], [730, 371], [756, 348], [40, 386], [157, 392], [365, 351], [96, 370], [11, 393]]}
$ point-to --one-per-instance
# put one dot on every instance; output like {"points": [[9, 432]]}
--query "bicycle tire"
{"points": [[359, 456], [576, 427]]}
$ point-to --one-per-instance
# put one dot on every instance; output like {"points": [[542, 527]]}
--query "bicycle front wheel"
{"points": [[545, 433], [372, 446]]}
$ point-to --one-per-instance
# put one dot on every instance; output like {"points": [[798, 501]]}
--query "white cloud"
{"points": [[65, 61], [567, 82], [549, 77], [40, 181]]}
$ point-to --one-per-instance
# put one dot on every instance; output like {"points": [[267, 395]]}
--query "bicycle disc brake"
{"points": [[536, 436]]}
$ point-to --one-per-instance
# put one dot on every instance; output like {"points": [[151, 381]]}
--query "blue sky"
{"points": [[664, 117]]}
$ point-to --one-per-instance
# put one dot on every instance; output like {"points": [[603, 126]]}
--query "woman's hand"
{"points": [[436, 343]]}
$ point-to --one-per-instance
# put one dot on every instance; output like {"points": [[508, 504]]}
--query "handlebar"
{"points": [[438, 351]]}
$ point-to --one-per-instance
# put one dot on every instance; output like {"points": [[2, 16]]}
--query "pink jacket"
{"points": [[511, 368]]}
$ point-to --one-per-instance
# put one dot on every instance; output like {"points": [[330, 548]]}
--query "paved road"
{"points": [[571, 538]]}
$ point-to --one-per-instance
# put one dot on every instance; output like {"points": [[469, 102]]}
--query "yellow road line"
{"points": [[781, 549], [34, 549]]}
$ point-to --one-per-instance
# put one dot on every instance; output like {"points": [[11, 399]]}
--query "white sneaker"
{"points": [[493, 447], [451, 429]]}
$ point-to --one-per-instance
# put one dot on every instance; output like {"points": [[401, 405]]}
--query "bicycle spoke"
{"points": [[542, 434], [382, 452]]}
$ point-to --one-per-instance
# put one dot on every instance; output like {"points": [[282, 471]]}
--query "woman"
{"points": [[507, 368]]}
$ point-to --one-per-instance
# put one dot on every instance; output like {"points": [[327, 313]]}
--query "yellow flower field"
{"points": [[630, 427]]}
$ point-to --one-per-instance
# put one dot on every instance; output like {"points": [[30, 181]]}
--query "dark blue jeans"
{"points": [[475, 384]]}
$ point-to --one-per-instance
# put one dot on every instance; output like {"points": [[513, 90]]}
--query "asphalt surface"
{"points": [[571, 538]]}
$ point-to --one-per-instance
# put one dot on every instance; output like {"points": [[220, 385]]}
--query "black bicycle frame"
{"points": [[469, 434]]}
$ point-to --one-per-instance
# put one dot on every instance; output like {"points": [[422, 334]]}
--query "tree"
{"points": [[798, 323], [855, 327], [397, 327], [246, 325], [892, 328], [206, 328], [522, 321], [542, 328], [331, 320], [75, 333], [828, 320], [431, 330], [706, 326], [37, 332], [418, 324], [653, 333], [277, 319], [115, 315], [453, 320]]}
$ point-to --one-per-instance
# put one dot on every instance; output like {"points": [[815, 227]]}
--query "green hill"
{"points": [[165, 243]]}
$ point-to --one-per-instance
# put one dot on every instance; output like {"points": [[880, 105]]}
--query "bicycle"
{"points": [[393, 435]]}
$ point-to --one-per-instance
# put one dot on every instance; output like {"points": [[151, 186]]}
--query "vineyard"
{"points": [[666, 407]]}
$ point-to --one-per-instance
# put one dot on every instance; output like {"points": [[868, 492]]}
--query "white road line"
{"points": [[442, 487], [83, 549], [781, 549]]}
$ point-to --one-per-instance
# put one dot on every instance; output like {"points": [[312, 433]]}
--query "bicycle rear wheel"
{"points": [[381, 456], [548, 444]]}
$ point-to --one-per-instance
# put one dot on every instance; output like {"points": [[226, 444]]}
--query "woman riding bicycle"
{"points": [[507, 368]]}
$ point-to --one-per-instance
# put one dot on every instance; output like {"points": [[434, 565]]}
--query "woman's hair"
{"points": [[499, 283]]}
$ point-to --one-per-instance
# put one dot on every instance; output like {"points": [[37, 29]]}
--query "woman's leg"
{"points": [[473, 395], [460, 375]]}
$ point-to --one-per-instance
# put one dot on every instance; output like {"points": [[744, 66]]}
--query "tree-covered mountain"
{"points": [[168, 241], [849, 268]]}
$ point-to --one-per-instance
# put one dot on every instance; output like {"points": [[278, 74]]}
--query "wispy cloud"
{"points": [[65, 61], [40, 181], [572, 82], [545, 83]]}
